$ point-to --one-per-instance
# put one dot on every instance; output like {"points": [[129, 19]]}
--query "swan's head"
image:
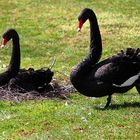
{"points": [[84, 15], [7, 36]]}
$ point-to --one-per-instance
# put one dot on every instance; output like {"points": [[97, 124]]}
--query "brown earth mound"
{"points": [[16, 93]]}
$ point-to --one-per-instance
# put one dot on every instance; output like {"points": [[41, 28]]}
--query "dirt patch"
{"points": [[16, 93]]}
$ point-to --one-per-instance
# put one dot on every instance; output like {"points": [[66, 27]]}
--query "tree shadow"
{"points": [[119, 106]]}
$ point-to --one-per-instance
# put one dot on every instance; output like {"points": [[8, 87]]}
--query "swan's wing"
{"points": [[117, 72]]}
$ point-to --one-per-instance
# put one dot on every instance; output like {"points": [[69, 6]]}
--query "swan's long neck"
{"points": [[15, 58], [85, 66], [95, 41], [14, 64]]}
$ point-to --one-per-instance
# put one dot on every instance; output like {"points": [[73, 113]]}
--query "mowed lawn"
{"points": [[48, 30]]}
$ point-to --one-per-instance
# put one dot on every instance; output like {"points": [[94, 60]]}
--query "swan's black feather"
{"points": [[118, 73], [27, 79], [14, 64]]}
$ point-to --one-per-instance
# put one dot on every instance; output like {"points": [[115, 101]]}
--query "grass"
{"points": [[48, 29], [74, 119]]}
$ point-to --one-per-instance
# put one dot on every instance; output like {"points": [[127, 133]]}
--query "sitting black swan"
{"points": [[116, 74], [27, 79]]}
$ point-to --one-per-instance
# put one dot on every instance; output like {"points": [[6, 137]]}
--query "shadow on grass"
{"points": [[119, 106]]}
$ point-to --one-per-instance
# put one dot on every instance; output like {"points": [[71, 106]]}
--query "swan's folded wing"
{"points": [[117, 73]]}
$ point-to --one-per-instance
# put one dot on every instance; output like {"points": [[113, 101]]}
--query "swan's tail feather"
{"points": [[132, 53]]}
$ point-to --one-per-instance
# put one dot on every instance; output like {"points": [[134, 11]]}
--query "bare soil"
{"points": [[54, 90]]}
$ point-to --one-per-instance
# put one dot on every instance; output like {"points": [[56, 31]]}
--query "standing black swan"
{"points": [[14, 65], [116, 74], [27, 79]]}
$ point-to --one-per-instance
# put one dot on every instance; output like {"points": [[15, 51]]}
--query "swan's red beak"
{"points": [[4, 42], [80, 24]]}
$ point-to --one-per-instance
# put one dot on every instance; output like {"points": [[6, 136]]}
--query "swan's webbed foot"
{"points": [[108, 101]]}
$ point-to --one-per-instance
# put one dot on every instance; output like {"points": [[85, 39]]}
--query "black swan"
{"points": [[116, 74], [14, 65], [27, 79]]}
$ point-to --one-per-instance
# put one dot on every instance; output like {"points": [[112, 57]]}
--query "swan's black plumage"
{"points": [[14, 65], [27, 79], [33, 79], [116, 74]]}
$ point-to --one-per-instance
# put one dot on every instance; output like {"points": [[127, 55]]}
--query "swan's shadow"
{"points": [[119, 106]]}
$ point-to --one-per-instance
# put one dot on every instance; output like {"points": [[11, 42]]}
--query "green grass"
{"points": [[48, 29], [78, 118]]}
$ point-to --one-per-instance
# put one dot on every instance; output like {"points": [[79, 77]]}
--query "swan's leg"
{"points": [[108, 101]]}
